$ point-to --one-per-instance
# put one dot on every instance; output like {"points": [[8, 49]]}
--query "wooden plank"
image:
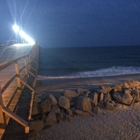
{"points": [[2, 115], [16, 118], [27, 85], [17, 74], [7, 63], [8, 83], [25, 66]]}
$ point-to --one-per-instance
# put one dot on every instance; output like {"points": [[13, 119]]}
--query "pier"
{"points": [[18, 71]]}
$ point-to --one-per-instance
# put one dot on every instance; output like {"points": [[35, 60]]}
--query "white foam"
{"points": [[113, 71]]}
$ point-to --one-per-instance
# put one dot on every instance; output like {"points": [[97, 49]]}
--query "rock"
{"points": [[67, 118], [50, 119], [84, 104], [80, 90], [107, 97], [125, 85], [60, 116], [35, 109], [70, 94], [96, 110], [36, 125], [133, 84], [69, 112], [125, 98], [80, 112], [137, 104], [118, 106], [95, 99], [36, 100], [32, 134], [45, 106], [109, 106], [72, 104], [105, 89], [55, 109], [136, 92], [101, 97], [101, 105], [117, 88], [52, 99], [64, 102]]}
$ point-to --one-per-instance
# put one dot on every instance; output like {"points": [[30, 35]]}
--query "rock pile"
{"points": [[83, 102]]}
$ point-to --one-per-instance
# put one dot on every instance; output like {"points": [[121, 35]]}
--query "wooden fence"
{"points": [[21, 75]]}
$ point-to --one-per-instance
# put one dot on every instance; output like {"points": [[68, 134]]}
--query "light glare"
{"points": [[15, 28], [23, 34]]}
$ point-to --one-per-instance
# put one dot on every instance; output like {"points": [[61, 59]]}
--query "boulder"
{"points": [[84, 104], [109, 106], [80, 90], [55, 109], [64, 102], [125, 85], [52, 99], [107, 97], [59, 116], [94, 99], [101, 105], [117, 88], [70, 94], [45, 106], [125, 97], [105, 89], [136, 92], [72, 104], [69, 112], [120, 107], [36, 125], [96, 110], [36, 100], [35, 109], [101, 97], [80, 112], [133, 84], [50, 119]]}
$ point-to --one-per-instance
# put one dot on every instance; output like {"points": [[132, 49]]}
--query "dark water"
{"points": [[89, 61]]}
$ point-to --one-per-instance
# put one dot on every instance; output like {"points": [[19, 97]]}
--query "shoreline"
{"points": [[49, 85]]}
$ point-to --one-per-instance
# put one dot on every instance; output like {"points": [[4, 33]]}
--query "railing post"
{"points": [[2, 115], [17, 74], [25, 64]]}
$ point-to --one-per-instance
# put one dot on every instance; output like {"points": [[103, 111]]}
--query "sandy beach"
{"points": [[107, 125]]}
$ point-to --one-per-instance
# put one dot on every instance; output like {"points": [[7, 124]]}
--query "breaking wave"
{"points": [[113, 71]]}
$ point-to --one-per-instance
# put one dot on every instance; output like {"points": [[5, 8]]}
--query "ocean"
{"points": [[82, 62]]}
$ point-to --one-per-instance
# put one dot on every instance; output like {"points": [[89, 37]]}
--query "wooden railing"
{"points": [[30, 67]]}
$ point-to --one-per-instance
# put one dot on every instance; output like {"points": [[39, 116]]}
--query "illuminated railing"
{"points": [[30, 67]]}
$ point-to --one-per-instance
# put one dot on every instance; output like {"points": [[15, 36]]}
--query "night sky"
{"points": [[73, 23]]}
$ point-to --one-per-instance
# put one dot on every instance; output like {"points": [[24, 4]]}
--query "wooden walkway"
{"points": [[18, 70]]}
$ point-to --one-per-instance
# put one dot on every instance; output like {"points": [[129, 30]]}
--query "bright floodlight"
{"points": [[26, 37], [23, 34], [15, 28]]}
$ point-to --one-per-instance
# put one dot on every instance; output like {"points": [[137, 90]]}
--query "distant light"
{"points": [[15, 28], [23, 34]]}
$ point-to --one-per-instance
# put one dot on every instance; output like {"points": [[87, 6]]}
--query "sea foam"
{"points": [[113, 71]]}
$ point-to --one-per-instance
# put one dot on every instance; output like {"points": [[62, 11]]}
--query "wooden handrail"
{"points": [[21, 82], [8, 63]]}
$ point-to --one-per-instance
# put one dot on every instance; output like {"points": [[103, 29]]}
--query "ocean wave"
{"points": [[113, 71]]}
